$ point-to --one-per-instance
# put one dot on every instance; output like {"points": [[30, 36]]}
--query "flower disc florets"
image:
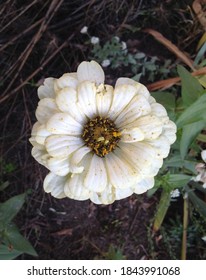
{"points": [[101, 136], [99, 143]]}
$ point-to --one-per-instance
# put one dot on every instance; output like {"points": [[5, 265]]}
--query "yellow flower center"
{"points": [[101, 135]]}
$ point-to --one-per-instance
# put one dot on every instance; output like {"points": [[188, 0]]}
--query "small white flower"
{"points": [[124, 46], [99, 143], [204, 238], [201, 169], [94, 40], [175, 193], [84, 30], [117, 38], [105, 63]]}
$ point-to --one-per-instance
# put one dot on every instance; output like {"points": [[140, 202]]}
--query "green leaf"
{"points": [[174, 161], [178, 180], [194, 113], [190, 165], [10, 208], [178, 162], [198, 186], [189, 133], [17, 241], [162, 209], [202, 80], [8, 254], [200, 55], [191, 88], [198, 203]]}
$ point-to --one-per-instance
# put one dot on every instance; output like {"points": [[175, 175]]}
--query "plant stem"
{"points": [[185, 224]]}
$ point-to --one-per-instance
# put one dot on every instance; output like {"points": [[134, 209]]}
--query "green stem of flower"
{"points": [[185, 225], [162, 209]]}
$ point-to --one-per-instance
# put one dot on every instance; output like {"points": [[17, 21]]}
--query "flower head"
{"points": [[84, 30], [105, 62], [94, 40], [99, 143]]}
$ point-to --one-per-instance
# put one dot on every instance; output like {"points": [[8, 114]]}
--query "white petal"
{"points": [[169, 131], [123, 193], [141, 89], [104, 99], [67, 80], [54, 184], [62, 145], [120, 173], [105, 197], [46, 109], [137, 107], [96, 175], [67, 102], [63, 123], [151, 100], [40, 155], [122, 96], [162, 144], [74, 187], [158, 110], [59, 166], [41, 134], [65, 98], [140, 155], [144, 185], [47, 89], [151, 126], [132, 135], [90, 71], [154, 168], [203, 155], [73, 75], [77, 157], [35, 128], [36, 145], [32, 139], [87, 98]]}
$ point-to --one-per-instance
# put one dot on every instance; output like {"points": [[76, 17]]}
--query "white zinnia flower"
{"points": [[99, 142], [201, 169], [105, 63], [94, 40], [84, 30]]}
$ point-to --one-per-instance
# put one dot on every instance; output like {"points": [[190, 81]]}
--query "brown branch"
{"points": [[65, 44], [20, 35], [170, 46], [18, 15], [4, 6], [164, 84], [26, 53]]}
